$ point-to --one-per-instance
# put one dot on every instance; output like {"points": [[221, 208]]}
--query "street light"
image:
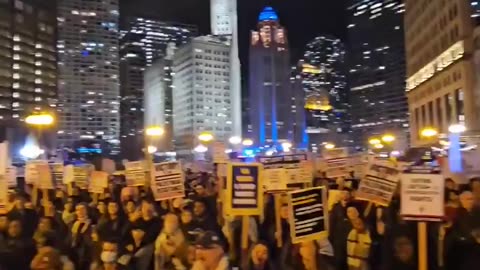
{"points": [[247, 142], [151, 149], [388, 138], [428, 132], [374, 141], [205, 137], [329, 146], [200, 149], [457, 128], [154, 131], [378, 146], [43, 119], [235, 140]]}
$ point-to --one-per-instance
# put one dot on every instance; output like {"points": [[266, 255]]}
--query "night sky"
{"points": [[304, 19]]}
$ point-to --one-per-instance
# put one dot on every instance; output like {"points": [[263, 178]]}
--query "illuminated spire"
{"points": [[268, 14]]}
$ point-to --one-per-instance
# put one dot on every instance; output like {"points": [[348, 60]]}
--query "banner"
{"points": [[378, 185], [336, 162], [298, 167], [98, 182], [422, 197], [135, 173], [44, 176], [275, 179], [31, 173], [308, 214], [218, 152], [244, 194], [57, 173], [167, 181]]}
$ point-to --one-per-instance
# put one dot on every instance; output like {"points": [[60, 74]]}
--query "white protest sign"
{"points": [[57, 173], [3, 194], [4, 160], [98, 182], [167, 181], [298, 167], [78, 175], [222, 169], [12, 176], [219, 155], [378, 185], [422, 197], [31, 173], [470, 163], [135, 173], [44, 176], [337, 162], [275, 179]]}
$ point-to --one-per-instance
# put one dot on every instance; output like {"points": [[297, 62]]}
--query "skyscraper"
{"points": [[224, 22], [28, 62], [377, 70], [323, 72], [443, 49], [142, 41], [88, 71], [202, 96], [270, 92]]}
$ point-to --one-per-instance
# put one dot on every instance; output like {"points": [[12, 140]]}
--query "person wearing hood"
{"points": [[170, 246], [139, 251], [210, 253], [260, 258]]}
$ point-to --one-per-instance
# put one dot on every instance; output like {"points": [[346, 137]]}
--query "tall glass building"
{"points": [[142, 41], [88, 71], [377, 70], [324, 74]]}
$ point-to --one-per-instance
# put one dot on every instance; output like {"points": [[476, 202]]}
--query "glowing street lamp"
{"points": [[374, 141], [457, 128], [247, 142], [40, 119], [154, 131], [378, 146], [388, 138], [151, 149], [200, 149], [205, 137], [329, 146], [428, 132], [235, 140]]}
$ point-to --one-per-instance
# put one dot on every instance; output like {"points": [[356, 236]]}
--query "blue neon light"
{"points": [[89, 150], [268, 14], [454, 153], [85, 53]]}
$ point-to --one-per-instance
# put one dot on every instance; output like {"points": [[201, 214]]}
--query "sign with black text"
{"points": [[167, 181], [298, 168], [378, 185], [135, 173], [244, 195], [422, 196], [308, 214], [336, 162]]}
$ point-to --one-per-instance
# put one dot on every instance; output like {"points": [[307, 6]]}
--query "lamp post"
{"points": [[329, 146], [150, 133], [38, 122]]}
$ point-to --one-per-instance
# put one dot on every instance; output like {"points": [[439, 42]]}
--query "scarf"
{"points": [[77, 223]]}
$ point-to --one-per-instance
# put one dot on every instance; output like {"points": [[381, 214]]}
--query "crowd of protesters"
{"points": [[125, 228]]}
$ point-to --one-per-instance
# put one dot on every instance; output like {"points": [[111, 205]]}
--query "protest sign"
{"points": [[98, 182], [358, 164], [336, 162], [77, 174], [422, 196], [44, 176], [470, 162], [218, 152], [221, 169], [275, 179], [4, 160], [3, 194], [31, 173], [57, 173], [135, 173], [244, 194], [378, 185], [297, 169], [167, 181], [308, 214], [108, 165]]}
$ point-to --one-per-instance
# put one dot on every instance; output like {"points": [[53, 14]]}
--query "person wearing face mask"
{"points": [[108, 256], [170, 246], [210, 253], [260, 258]]}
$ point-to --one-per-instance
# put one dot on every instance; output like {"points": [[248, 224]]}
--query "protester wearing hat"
{"points": [[138, 252], [210, 253]]}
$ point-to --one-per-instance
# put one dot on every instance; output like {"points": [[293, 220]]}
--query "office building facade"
{"points": [[88, 71], [142, 41], [270, 92], [442, 70], [28, 64], [201, 92], [377, 71], [324, 74]]}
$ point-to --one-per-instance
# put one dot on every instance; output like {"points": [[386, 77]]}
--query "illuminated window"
{"points": [[16, 95], [16, 66], [16, 85], [16, 76], [15, 104], [38, 99]]}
